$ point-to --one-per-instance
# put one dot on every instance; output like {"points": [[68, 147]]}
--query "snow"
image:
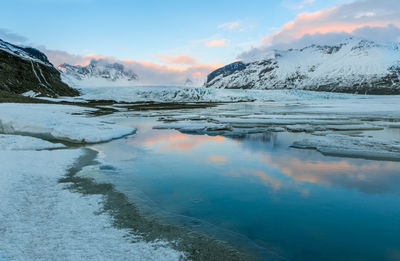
{"points": [[362, 147], [14, 50], [31, 94], [41, 220], [15, 142], [98, 73], [59, 122]]}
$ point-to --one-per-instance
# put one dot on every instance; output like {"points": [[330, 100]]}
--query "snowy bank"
{"points": [[59, 122], [41, 220]]}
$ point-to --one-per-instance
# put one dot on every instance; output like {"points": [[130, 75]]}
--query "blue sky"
{"points": [[171, 40], [142, 29]]}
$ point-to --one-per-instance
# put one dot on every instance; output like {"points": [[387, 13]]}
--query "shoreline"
{"points": [[42, 220], [126, 215]]}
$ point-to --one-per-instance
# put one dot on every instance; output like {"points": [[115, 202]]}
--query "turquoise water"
{"points": [[259, 194]]}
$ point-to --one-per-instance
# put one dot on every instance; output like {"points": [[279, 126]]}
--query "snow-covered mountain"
{"points": [[26, 70], [98, 72], [353, 66], [188, 82]]}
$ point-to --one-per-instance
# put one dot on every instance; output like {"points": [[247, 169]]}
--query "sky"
{"points": [[166, 42]]}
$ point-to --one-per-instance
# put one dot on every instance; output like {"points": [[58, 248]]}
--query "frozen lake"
{"points": [[258, 193], [280, 175]]}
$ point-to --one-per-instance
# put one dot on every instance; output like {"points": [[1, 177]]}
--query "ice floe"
{"points": [[58, 122], [361, 147]]}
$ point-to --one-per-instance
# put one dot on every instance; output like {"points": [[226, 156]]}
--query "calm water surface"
{"points": [[259, 194]]}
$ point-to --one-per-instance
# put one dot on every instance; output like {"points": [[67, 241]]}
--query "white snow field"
{"points": [[59, 122], [42, 220]]}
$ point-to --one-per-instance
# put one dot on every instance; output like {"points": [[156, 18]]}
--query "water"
{"points": [[259, 194]]}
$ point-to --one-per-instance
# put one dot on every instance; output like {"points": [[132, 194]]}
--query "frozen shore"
{"points": [[42, 220]]}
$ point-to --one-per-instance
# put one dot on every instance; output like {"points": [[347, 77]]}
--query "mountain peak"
{"points": [[25, 52], [98, 72]]}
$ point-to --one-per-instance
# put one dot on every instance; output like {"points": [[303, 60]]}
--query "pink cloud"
{"points": [[367, 19], [178, 59], [217, 43], [152, 73], [218, 159], [342, 18], [371, 176], [173, 73]]}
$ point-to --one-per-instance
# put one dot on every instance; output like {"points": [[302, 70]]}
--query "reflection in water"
{"points": [[298, 203], [177, 141], [218, 159], [265, 178], [368, 176]]}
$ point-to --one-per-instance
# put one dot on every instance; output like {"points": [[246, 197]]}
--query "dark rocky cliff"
{"points": [[24, 69]]}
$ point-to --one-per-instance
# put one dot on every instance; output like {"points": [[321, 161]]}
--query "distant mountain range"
{"points": [[352, 66], [98, 72], [26, 69]]}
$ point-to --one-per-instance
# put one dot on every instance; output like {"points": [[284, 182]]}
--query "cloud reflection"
{"points": [[179, 141], [218, 159], [368, 176], [266, 179]]}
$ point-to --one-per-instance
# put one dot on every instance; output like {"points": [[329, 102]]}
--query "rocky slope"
{"points": [[353, 66], [98, 72], [25, 69]]}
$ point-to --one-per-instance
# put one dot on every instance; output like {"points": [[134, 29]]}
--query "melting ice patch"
{"points": [[58, 122]]}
